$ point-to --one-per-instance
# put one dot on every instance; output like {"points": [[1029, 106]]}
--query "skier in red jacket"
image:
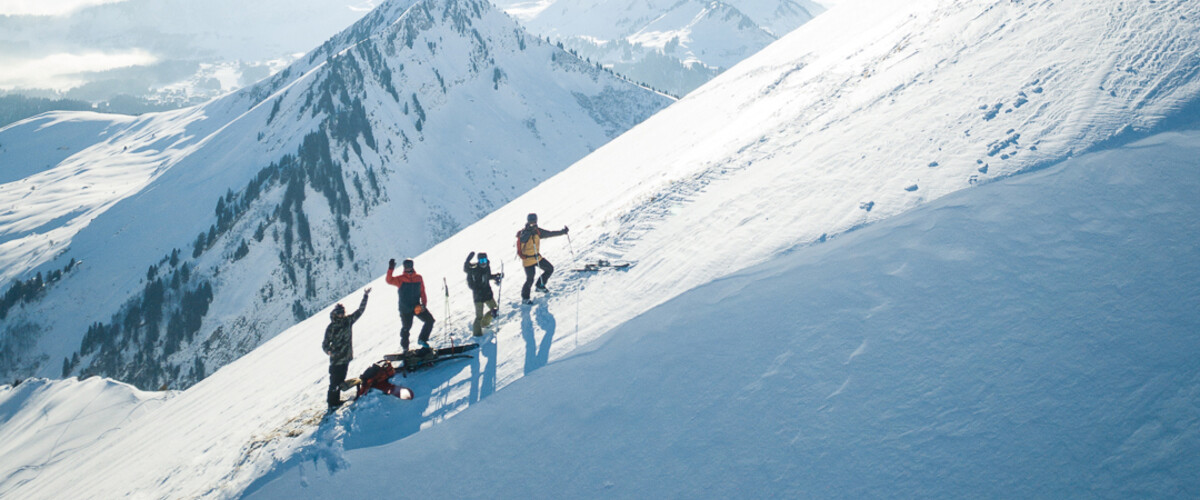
{"points": [[378, 376], [411, 288]]}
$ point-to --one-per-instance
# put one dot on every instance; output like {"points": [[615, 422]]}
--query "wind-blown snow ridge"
{"points": [[869, 111]]}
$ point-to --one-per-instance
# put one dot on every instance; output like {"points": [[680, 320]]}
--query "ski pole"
{"points": [[575, 263], [446, 326]]}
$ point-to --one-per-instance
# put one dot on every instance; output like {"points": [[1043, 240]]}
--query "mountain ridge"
{"points": [[362, 109]]}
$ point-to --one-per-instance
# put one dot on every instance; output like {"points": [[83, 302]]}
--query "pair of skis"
{"points": [[417, 359]]}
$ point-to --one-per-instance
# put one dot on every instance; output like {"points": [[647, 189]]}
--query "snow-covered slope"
{"points": [[47, 420], [204, 231], [672, 45], [792, 161], [1033, 338]]}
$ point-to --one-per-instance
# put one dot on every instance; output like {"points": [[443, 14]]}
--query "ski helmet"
{"points": [[337, 312], [481, 258], [532, 217], [408, 263]]}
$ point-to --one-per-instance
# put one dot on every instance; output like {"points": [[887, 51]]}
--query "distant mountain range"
{"points": [[671, 45], [163, 52]]}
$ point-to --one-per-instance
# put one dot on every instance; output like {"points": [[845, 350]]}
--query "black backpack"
{"points": [[477, 277]]}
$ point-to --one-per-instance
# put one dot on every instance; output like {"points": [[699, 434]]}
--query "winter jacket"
{"points": [[529, 243], [411, 288], [339, 336], [478, 277]]}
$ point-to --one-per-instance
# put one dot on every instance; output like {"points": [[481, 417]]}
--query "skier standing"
{"points": [[528, 247], [411, 289], [339, 345], [478, 276]]}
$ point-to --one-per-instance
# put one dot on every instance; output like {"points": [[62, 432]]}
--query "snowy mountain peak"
{"points": [[411, 124]]}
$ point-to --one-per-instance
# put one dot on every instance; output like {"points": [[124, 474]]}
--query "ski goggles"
{"points": [[483, 260]]}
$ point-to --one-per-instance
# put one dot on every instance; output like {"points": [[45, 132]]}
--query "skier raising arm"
{"points": [[479, 275], [529, 241], [339, 346], [411, 289]]}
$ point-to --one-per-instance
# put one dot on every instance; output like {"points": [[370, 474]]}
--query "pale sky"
{"points": [[62, 71], [46, 7]]}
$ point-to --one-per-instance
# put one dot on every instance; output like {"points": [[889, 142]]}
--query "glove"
{"points": [[391, 263], [566, 230], [470, 255]]}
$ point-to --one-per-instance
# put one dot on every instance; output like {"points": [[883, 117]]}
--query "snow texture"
{"points": [[980, 334], [1033, 338]]}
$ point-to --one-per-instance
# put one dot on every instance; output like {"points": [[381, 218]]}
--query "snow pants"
{"points": [[337, 375], [481, 319], [547, 270], [406, 322]]}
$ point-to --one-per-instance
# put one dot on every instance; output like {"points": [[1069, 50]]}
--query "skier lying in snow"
{"points": [[378, 376]]}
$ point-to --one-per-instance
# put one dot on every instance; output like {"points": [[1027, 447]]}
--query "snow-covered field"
{"points": [[820, 303], [1033, 338]]}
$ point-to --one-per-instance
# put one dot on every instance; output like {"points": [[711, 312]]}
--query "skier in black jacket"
{"points": [[529, 241], [479, 275], [339, 345]]}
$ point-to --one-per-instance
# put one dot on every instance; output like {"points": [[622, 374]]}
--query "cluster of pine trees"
{"points": [[30, 289]]}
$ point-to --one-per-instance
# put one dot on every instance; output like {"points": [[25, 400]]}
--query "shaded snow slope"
{"points": [[29, 152], [204, 231], [1035, 337], [46, 421]]}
